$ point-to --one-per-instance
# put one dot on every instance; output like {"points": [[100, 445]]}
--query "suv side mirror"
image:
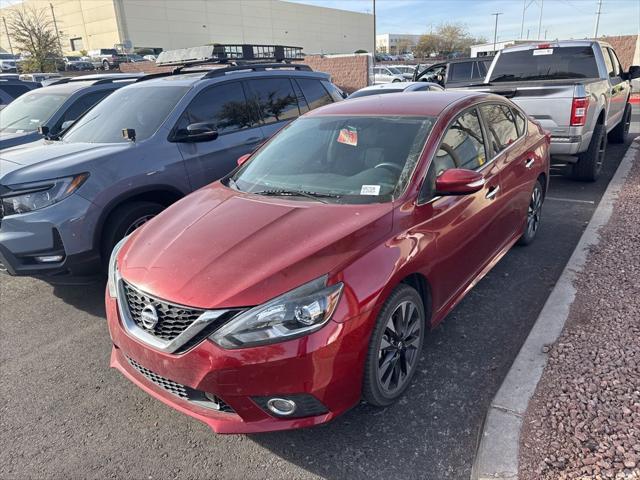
{"points": [[459, 181], [634, 72]]}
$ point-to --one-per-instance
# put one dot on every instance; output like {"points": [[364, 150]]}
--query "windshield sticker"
{"points": [[543, 51], [370, 190], [348, 136]]}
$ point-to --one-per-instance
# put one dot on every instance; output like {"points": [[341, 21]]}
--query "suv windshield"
{"points": [[545, 64], [27, 112], [351, 160], [142, 108]]}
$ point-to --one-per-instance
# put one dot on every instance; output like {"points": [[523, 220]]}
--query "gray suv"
{"points": [[64, 204]]}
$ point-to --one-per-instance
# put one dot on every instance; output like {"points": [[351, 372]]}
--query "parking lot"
{"points": [[64, 413]]}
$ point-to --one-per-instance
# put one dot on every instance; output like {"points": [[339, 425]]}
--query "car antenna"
{"points": [[129, 134]]}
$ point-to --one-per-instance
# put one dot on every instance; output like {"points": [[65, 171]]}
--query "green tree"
{"points": [[33, 32]]}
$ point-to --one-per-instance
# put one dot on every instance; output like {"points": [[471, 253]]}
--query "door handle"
{"points": [[493, 191], [529, 162]]}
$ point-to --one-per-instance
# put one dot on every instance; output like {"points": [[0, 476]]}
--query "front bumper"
{"points": [[64, 229], [327, 364]]}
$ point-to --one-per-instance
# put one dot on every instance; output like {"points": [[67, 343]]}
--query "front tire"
{"points": [[105, 65], [590, 162], [534, 213], [620, 132], [395, 347]]}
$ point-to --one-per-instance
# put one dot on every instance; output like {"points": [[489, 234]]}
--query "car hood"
{"points": [[221, 248], [43, 159]]}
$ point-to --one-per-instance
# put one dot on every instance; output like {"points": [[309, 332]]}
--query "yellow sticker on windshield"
{"points": [[348, 136]]}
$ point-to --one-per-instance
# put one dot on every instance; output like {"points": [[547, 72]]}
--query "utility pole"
{"points": [[495, 31], [375, 38], [4, 20], [53, 15], [540, 21], [595, 32], [524, 9]]}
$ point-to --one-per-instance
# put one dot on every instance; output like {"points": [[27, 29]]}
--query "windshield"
{"points": [[343, 159], [27, 112], [394, 70], [142, 108], [6, 56], [73, 59], [545, 64]]}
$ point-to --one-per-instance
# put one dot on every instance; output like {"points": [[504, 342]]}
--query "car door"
{"points": [[463, 226], [619, 89], [505, 127], [223, 106], [275, 102]]}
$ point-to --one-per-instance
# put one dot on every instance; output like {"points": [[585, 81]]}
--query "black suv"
{"points": [[11, 88], [455, 73]]}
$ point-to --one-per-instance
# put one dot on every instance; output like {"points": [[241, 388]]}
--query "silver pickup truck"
{"points": [[577, 90]]}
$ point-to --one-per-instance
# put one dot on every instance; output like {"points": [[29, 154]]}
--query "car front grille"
{"points": [[210, 401], [172, 319]]}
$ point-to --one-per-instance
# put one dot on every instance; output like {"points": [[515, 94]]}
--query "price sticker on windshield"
{"points": [[543, 51], [348, 136], [370, 190]]}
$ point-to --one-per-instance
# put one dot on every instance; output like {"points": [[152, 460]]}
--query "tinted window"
{"points": [[27, 112], [614, 62], [314, 92], [14, 90], [460, 71], [223, 106], [501, 126], [274, 98], [550, 63], [608, 63], [141, 107], [521, 122], [80, 106], [334, 91], [462, 145]]}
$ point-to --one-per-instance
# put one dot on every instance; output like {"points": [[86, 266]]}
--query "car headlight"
{"points": [[112, 282], [298, 312], [27, 197]]}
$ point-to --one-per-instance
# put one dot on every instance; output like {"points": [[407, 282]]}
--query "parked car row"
{"points": [[274, 254]]}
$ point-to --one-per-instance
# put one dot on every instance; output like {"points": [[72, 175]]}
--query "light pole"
{"points": [[495, 31], [4, 20], [540, 21], [375, 40], [595, 32], [53, 15]]}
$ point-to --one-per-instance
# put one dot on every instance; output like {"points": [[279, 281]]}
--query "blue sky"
{"points": [[561, 18]]}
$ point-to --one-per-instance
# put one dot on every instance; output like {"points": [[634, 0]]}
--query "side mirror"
{"points": [[199, 132], [243, 159], [634, 72], [459, 181]]}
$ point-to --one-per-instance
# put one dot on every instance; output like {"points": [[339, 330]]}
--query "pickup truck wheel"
{"points": [[105, 65], [590, 162], [123, 221], [395, 347], [619, 134]]}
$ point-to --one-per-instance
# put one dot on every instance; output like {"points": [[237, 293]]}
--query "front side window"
{"points": [[222, 106], [274, 99], [460, 71], [140, 107], [501, 125], [81, 105], [358, 159], [27, 112], [314, 92]]}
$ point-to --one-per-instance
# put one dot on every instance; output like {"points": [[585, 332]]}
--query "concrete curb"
{"points": [[497, 455]]}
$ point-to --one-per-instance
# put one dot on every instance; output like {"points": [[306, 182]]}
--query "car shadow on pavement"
{"points": [[88, 297]]}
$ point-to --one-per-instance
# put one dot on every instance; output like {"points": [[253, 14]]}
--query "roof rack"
{"points": [[218, 72], [98, 79], [226, 53]]}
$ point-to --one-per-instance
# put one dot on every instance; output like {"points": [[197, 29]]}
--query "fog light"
{"points": [[49, 258], [281, 406]]}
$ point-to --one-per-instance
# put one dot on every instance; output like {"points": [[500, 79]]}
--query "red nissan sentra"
{"points": [[280, 296]]}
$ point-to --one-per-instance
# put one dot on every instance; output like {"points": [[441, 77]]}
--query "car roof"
{"points": [[399, 86], [400, 104], [551, 44]]}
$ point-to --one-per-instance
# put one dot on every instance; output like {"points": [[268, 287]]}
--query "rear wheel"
{"points": [[619, 134], [124, 220], [105, 65], [395, 347], [590, 162], [534, 213]]}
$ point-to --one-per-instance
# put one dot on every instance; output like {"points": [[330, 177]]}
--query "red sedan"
{"points": [[305, 281]]}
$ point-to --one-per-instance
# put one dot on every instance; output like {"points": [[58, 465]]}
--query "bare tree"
{"points": [[32, 31], [449, 38]]}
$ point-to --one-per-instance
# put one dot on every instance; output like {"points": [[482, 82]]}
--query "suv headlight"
{"points": [[296, 313], [112, 282], [27, 197]]}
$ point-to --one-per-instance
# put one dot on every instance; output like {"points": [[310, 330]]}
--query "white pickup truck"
{"points": [[577, 90]]}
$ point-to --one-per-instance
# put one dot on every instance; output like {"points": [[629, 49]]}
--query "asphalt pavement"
{"points": [[65, 414]]}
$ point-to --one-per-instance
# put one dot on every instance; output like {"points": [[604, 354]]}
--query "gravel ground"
{"points": [[584, 419]]}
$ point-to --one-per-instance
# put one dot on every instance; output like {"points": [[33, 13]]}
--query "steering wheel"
{"points": [[390, 166], [452, 153]]}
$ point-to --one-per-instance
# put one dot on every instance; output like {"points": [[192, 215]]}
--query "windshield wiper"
{"points": [[284, 193]]}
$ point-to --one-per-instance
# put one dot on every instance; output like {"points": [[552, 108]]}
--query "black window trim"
{"points": [[295, 81]]}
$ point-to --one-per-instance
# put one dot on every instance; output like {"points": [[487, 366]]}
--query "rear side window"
{"points": [[274, 98], [501, 125], [521, 122], [335, 93], [462, 145], [314, 92], [460, 71], [611, 71], [547, 63], [479, 70], [617, 69], [224, 106], [14, 91]]}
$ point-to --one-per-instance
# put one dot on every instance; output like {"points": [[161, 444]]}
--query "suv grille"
{"points": [[182, 391], [172, 319]]}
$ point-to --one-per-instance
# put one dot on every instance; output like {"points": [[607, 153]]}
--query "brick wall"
{"points": [[625, 47], [146, 67], [348, 72]]}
